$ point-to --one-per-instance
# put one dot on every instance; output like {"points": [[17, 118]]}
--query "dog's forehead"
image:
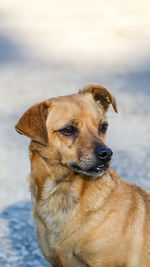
{"points": [[74, 108]]}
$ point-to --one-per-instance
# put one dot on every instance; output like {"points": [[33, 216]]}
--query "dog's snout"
{"points": [[103, 153]]}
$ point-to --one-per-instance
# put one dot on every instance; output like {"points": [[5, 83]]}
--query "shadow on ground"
{"points": [[25, 251], [128, 167], [10, 50]]}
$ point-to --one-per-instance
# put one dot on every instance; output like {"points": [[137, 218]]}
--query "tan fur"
{"points": [[82, 221]]}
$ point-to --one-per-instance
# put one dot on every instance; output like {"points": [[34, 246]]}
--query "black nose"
{"points": [[104, 153]]}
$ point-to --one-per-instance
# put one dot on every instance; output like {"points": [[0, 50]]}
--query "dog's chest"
{"points": [[57, 212]]}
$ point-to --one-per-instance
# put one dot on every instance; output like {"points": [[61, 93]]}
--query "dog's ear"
{"points": [[33, 123], [101, 95]]}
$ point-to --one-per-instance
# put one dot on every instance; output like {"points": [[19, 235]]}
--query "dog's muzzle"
{"points": [[95, 165]]}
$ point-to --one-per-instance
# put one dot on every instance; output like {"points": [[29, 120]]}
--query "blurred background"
{"points": [[50, 48]]}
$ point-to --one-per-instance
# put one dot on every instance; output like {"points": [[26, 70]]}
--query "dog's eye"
{"points": [[103, 127], [69, 130]]}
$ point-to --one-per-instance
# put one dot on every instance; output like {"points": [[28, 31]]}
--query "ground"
{"points": [[50, 48]]}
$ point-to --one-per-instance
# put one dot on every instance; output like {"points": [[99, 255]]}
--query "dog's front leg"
{"points": [[81, 261], [69, 259]]}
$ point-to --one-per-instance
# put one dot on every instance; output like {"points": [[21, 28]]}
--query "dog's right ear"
{"points": [[33, 123], [100, 95]]}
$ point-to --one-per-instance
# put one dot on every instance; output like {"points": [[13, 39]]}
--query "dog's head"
{"points": [[72, 129]]}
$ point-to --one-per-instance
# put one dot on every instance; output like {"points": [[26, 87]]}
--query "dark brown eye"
{"points": [[103, 127], [69, 130]]}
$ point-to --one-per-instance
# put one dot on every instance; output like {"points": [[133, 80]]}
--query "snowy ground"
{"points": [[50, 48]]}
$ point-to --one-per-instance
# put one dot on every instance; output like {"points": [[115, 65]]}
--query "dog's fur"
{"points": [[82, 218]]}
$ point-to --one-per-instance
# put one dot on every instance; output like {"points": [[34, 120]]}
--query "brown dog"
{"points": [[85, 214]]}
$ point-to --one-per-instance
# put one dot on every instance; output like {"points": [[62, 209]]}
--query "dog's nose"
{"points": [[104, 153]]}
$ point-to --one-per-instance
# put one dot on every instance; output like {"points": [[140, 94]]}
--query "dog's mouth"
{"points": [[97, 170]]}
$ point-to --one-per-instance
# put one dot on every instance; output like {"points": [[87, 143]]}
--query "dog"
{"points": [[85, 214]]}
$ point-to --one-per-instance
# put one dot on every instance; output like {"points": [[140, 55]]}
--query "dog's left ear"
{"points": [[101, 95]]}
